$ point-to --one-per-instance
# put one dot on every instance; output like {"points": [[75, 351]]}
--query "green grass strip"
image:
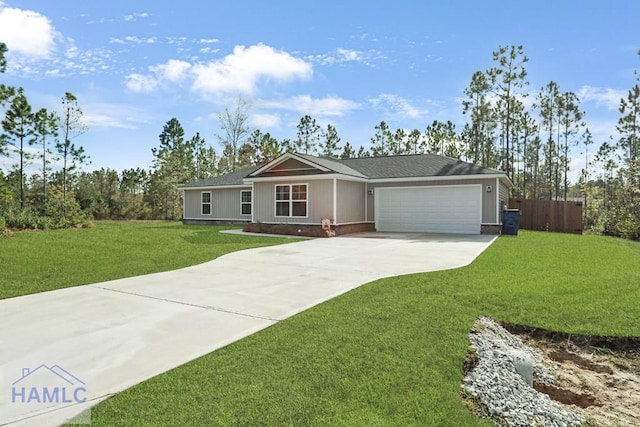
{"points": [[40, 261]]}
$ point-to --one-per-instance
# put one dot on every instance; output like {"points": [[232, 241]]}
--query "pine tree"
{"points": [[72, 156], [308, 136], [347, 151], [18, 125], [330, 144], [508, 80], [46, 125], [381, 140]]}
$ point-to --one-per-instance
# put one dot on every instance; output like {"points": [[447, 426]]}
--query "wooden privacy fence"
{"points": [[549, 215]]}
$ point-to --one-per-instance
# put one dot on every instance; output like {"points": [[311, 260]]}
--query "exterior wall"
{"points": [[503, 199], [489, 204], [319, 202], [225, 205], [350, 202]]}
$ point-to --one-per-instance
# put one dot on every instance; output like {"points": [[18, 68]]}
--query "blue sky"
{"points": [[135, 65]]}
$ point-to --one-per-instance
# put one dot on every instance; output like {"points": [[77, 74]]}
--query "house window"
{"points": [[291, 200], [205, 202], [245, 202]]}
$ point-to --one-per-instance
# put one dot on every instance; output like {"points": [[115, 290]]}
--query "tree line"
{"points": [[531, 135]]}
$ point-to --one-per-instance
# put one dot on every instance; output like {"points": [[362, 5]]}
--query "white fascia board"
{"points": [[435, 178], [304, 178], [217, 187]]}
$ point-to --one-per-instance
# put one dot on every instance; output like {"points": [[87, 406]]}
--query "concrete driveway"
{"points": [[97, 340]]}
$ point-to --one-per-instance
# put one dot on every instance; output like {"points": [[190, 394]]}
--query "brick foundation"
{"points": [[491, 229], [306, 230]]}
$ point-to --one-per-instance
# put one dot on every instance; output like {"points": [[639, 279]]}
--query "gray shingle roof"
{"points": [[335, 165], [233, 178], [414, 165], [404, 166]]}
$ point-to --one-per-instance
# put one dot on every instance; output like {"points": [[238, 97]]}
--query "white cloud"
{"points": [[397, 105], [141, 83], [174, 70], [342, 55], [607, 97], [265, 120], [105, 121], [176, 40], [134, 16], [106, 115], [27, 32], [72, 52], [208, 41], [305, 104], [237, 73], [133, 39], [349, 55], [240, 71], [207, 49]]}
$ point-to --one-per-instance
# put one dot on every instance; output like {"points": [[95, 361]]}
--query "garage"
{"points": [[442, 209]]}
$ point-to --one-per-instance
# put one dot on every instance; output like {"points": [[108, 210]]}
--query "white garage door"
{"points": [[443, 209]]}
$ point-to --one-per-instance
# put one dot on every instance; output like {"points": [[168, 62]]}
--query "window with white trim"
{"points": [[291, 200], [245, 202], [205, 202]]}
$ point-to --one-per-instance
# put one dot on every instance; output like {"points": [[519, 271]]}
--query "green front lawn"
{"points": [[390, 352], [387, 353], [45, 260]]}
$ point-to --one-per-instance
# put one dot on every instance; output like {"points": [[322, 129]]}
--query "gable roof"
{"points": [[335, 165], [415, 165], [371, 168]]}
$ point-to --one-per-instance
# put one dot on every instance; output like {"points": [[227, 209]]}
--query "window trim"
{"points": [[291, 201], [249, 203], [203, 203]]}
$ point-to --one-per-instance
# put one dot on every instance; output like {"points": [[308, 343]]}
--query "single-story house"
{"points": [[294, 193]]}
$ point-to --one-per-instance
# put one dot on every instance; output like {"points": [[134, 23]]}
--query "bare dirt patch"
{"points": [[598, 377]]}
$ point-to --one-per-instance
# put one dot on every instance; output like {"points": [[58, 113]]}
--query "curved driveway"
{"points": [[115, 334]]}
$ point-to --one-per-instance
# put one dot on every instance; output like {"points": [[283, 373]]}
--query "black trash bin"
{"points": [[510, 221]]}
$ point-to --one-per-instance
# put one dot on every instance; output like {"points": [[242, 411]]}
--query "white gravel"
{"points": [[511, 401]]}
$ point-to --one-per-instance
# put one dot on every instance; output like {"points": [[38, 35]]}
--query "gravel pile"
{"points": [[505, 389]]}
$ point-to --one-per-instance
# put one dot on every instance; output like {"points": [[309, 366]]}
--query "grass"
{"points": [[391, 352], [46, 260]]}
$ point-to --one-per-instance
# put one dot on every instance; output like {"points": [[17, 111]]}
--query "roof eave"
{"points": [[215, 187], [310, 177], [440, 178]]}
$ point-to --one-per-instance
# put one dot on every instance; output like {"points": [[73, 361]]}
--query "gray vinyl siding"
{"points": [[292, 164], [350, 202], [319, 202], [225, 204], [488, 198], [503, 198]]}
